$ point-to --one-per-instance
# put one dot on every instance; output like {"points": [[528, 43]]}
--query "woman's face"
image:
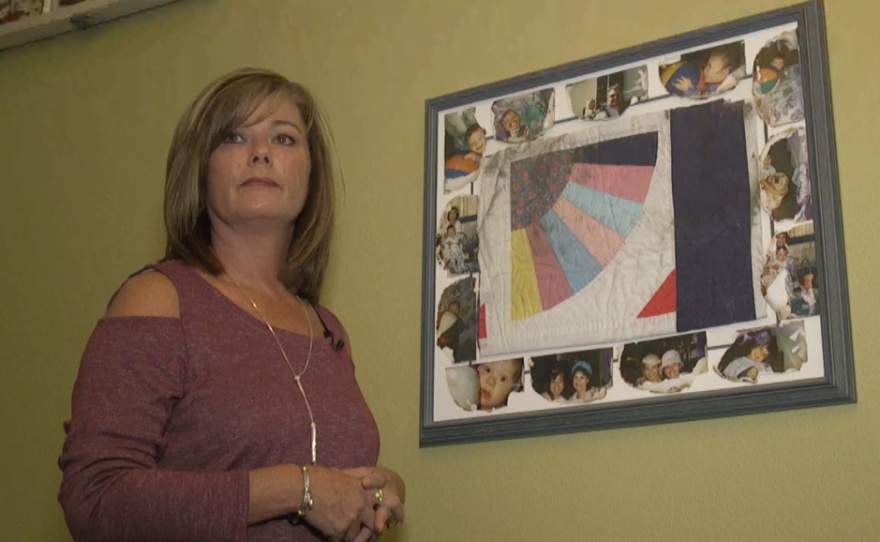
{"points": [[672, 371], [557, 384], [452, 215], [759, 353], [651, 372], [477, 141], [580, 380], [261, 169]]}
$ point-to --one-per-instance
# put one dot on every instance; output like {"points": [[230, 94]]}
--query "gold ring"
{"points": [[379, 495]]}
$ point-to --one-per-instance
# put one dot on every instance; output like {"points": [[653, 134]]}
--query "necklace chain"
{"points": [[296, 376]]}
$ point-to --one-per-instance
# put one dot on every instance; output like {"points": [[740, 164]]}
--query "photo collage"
{"points": [[628, 235]]}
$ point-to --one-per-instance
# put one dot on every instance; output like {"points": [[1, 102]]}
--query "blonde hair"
{"points": [[222, 106]]}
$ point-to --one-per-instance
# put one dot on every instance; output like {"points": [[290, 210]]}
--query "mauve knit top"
{"points": [[169, 415]]}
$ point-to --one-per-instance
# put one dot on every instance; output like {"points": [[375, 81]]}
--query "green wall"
{"points": [[85, 120]]}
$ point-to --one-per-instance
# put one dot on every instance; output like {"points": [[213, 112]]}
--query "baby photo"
{"points": [[573, 377], [667, 365], [524, 117], [776, 81], [766, 350], [485, 386], [785, 177], [464, 145], [789, 279], [704, 73], [607, 97], [14, 10], [456, 328], [457, 244]]}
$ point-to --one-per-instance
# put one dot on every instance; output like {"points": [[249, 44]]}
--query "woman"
{"points": [[581, 372], [216, 397], [451, 219], [555, 386]]}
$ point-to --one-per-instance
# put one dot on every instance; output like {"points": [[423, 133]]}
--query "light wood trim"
{"points": [[62, 20]]}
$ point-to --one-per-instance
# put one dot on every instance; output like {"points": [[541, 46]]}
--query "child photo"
{"points": [[804, 294], [456, 328], [524, 117], [485, 386], [776, 81], [785, 177], [464, 146], [667, 365], [765, 350], [573, 377], [607, 97], [707, 72], [457, 242], [789, 279]]}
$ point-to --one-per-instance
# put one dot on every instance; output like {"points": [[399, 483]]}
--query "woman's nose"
{"points": [[260, 153]]}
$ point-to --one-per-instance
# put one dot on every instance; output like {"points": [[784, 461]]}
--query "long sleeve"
{"points": [[132, 375]]}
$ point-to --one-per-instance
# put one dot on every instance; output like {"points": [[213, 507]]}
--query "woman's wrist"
{"points": [[307, 502], [275, 492]]}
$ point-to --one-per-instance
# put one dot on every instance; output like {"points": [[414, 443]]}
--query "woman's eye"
{"points": [[504, 379], [232, 137], [285, 139]]}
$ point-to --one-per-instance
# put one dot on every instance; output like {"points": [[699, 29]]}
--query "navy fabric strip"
{"points": [[637, 150], [710, 190]]}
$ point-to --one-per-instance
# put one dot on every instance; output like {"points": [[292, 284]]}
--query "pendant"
{"points": [[314, 444]]}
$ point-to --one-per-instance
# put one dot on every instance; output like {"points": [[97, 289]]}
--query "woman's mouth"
{"points": [[260, 181]]}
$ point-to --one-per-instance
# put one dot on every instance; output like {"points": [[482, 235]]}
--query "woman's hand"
{"points": [[343, 510], [393, 494]]}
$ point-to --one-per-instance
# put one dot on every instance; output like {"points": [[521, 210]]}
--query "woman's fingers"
{"points": [[374, 479], [358, 472], [358, 533], [394, 506], [342, 507], [381, 521]]}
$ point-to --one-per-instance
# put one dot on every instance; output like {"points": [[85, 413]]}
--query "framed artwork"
{"points": [[16, 10], [651, 235]]}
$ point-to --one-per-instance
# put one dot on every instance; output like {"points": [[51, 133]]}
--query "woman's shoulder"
{"points": [[146, 293]]}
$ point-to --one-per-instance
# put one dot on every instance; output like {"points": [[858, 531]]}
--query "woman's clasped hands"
{"points": [[355, 505]]}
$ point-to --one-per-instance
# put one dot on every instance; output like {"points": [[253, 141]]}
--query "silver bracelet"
{"points": [[307, 503]]}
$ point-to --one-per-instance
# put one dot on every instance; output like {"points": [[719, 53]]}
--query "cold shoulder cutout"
{"points": [[146, 293]]}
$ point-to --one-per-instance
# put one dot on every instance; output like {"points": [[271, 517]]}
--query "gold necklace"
{"points": [[296, 376]]}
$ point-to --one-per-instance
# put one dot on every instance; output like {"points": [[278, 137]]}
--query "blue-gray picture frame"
{"points": [[838, 384]]}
